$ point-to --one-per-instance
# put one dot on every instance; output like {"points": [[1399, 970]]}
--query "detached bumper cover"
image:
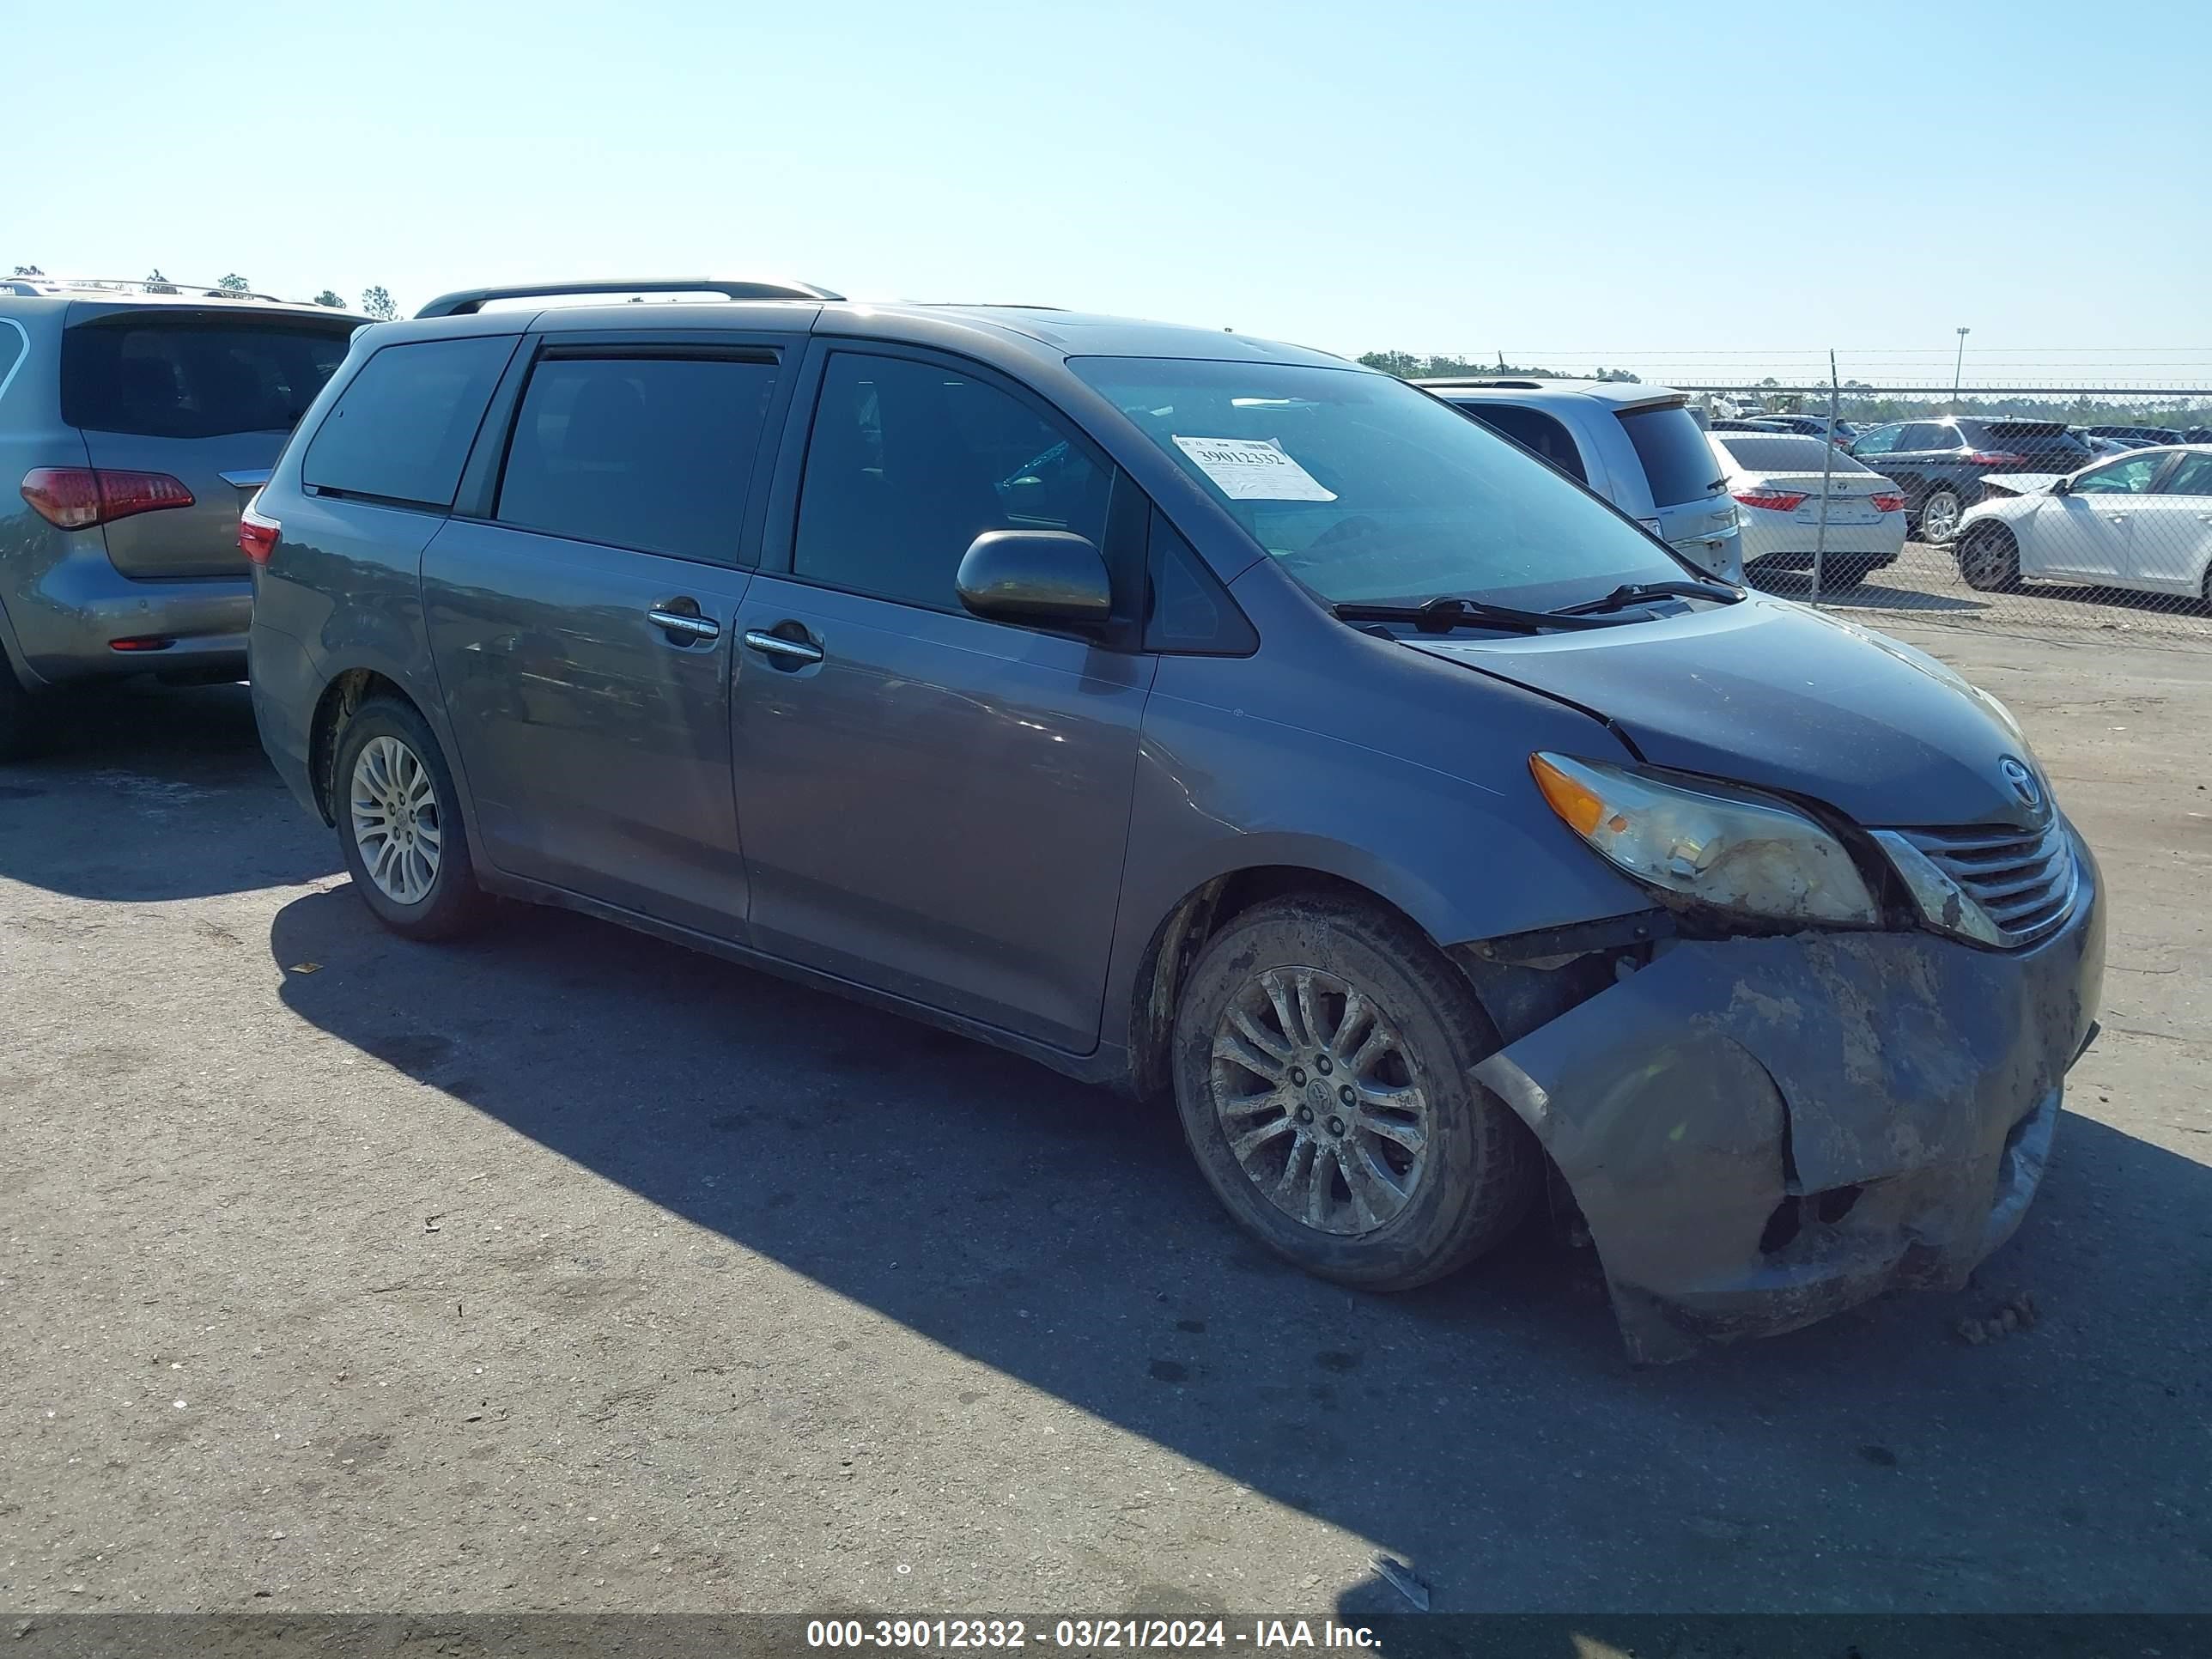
{"points": [[1761, 1132]]}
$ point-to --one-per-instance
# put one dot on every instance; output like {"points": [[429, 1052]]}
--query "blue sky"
{"points": [[1663, 181]]}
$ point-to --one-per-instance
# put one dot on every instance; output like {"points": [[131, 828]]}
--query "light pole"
{"points": [[1958, 368]]}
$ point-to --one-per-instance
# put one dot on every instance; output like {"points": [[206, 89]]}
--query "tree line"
{"points": [[376, 301]]}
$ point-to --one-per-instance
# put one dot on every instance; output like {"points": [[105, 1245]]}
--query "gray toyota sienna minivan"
{"points": [[1192, 713]]}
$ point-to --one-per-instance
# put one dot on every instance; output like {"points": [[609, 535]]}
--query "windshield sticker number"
{"points": [[1254, 470]]}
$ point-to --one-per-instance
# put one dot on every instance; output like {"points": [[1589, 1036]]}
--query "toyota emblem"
{"points": [[2022, 780]]}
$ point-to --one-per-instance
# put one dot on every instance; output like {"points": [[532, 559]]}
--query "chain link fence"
{"points": [[2053, 491]]}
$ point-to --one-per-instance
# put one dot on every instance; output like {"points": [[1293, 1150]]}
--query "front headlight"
{"points": [[1708, 842]]}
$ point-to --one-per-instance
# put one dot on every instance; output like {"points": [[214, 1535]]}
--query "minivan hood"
{"points": [[1774, 694]]}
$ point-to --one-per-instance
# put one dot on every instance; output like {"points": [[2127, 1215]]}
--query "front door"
{"points": [[2085, 533], [582, 632], [934, 805]]}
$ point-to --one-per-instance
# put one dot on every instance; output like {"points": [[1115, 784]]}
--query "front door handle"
{"points": [[790, 652], [681, 620], [2117, 518]]}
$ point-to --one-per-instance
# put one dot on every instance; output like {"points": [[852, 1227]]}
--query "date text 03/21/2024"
{"points": [[1085, 1635]]}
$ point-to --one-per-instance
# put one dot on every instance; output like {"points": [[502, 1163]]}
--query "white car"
{"points": [[2140, 521], [1774, 478]]}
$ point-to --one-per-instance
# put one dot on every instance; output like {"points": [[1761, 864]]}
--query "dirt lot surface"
{"points": [[567, 1269]]}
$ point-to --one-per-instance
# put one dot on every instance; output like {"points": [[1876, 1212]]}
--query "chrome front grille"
{"points": [[2024, 882]]}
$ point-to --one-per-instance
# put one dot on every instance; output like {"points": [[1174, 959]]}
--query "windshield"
{"points": [[1784, 452], [1367, 490]]}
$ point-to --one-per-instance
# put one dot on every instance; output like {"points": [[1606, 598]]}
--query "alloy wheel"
{"points": [[397, 825], [1939, 517], [1317, 1101]]}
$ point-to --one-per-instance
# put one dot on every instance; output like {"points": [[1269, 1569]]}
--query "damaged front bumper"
{"points": [[1761, 1132]]}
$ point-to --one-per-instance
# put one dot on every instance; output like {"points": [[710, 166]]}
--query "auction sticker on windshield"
{"points": [[1254, 470]]}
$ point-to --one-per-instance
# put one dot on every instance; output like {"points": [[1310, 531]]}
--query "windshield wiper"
{"points": [[1445, 613], [1631, 593]]}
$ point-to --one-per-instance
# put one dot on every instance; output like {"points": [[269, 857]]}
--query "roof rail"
{"points": [[469, 301], [32, 287]]}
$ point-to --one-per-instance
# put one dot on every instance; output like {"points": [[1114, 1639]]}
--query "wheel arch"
{"points": [[1164, 968], [341, 697]]}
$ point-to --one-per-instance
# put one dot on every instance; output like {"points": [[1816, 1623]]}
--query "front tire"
{"points": [[1940, 513], [1322, 1056], [1989, 560], [399, 824]]}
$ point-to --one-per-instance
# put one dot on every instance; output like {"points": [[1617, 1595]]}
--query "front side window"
{"points": [[190, 376], [1880, 441], [2129, 476], [402, 427], [654, 453], [1365, 489], [909, 462]]}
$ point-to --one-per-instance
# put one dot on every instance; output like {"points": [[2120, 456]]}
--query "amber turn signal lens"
{"points": [[1576, 802]]}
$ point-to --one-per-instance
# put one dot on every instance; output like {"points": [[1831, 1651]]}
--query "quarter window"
{"points": [[402, 427], [654, 453], [1533, 431], [909, 462]]}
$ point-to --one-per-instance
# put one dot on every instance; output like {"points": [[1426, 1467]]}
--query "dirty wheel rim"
{"points": [[1939, 517], [1318, 1100], [397, 826], [1986, 563]]}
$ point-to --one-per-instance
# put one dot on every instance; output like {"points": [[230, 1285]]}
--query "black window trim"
{"points": [[476, 501], [408, 504], [1127, 508]]}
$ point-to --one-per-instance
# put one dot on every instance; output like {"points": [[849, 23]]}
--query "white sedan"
{"points": [[2140, 521], [1774, 478]]}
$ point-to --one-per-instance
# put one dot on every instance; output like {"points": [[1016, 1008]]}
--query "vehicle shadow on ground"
{"points": [[182, 802], [1487, 1430]]}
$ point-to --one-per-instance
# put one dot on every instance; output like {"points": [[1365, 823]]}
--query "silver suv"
{"points": [[135, 422], [1637, 445]]}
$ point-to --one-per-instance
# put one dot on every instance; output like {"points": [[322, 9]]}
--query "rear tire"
{"points": [[1321, 1052], [1940, 511], [399, 824], [1989, 560], [18, 714]]}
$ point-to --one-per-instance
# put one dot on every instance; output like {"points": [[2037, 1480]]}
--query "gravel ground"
{"points": [[570, 1270]]}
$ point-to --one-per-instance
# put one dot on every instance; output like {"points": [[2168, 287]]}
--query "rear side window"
{"points": [[1677, 460], [1759, 452], [2192, 477], [402, 427], [190, 376], [651, 453], [1533, 431], [1926, 435]]}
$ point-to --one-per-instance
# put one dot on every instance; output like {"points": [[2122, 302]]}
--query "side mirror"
{"points": [[2062, 487], [1050, 578]]}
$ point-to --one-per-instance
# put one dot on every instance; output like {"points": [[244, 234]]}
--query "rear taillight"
{"points": [[257, 535], [79, 497], [1888, 502], [1995, 458], [1774, 500]]}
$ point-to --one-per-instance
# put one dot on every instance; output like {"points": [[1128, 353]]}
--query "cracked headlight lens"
{"points": [[1708, 842]]}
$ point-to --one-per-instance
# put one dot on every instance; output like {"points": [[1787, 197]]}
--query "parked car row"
{"points": [[1196, 715], [134, 423]]}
